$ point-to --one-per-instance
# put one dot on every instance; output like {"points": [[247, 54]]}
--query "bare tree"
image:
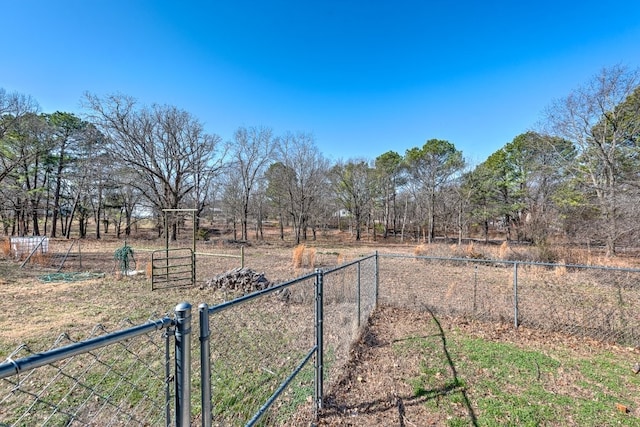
{"points": [[165, 147], [232, 198], [252, 152], [297, 179], [354, 185], [602, 119]]}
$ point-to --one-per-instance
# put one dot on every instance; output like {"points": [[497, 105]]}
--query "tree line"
{"points": [[574, 178]]}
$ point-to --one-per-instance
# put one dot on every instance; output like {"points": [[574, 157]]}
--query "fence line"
{"points": [[254, 353], [116, 378], [318, 308], [582, 300]]}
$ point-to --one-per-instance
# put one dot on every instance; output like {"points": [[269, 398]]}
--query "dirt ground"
{"points": [[375, 389]]}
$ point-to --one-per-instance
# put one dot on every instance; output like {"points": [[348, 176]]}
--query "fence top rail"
{"points": [[257, 294], [14, 367], [498, 261], [218, 255], [348, 264], [171, 250]]}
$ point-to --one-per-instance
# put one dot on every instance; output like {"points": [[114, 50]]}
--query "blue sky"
{"points": [[364, 77]]}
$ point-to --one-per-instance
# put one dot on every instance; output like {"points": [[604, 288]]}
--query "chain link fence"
{"points": [[269, 357], [349, 298], [251, 345], [258, 349], [108, 379], [597, 302]]}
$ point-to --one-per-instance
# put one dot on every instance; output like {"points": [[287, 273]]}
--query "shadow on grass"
{"points": [[333, 407], [455, 384]]}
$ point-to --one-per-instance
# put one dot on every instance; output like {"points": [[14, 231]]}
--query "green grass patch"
{"points": [[473, 380]]}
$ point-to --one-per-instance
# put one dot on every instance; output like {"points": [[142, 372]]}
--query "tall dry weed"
{"points": [[561, 269], [298, 256], [311, 257], [342, 258], [40, 258], [6, 247], [503, 250], [470, 252], [421, 250]]}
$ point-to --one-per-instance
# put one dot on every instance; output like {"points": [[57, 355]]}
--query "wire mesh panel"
{"points": [[597, 302], [254, 346], [124, 383], [349, 298], [600, 303], [478, 289]]}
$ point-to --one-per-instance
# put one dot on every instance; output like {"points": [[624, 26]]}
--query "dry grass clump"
{"points": [[470, 252], [502, 251], [303, 256], [421, 250], [148, 270], [298, 256], [560, 270], [311, 257], [437, 250], [342, 258], [40, 258], [6, 247]]}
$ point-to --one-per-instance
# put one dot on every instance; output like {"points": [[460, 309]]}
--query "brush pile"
{"points": [[238, 280]]}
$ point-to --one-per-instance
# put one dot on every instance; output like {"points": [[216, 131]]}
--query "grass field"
{"points": [[409, 368]]}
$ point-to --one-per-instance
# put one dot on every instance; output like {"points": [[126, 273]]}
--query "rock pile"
{"points": [[239, 280]]}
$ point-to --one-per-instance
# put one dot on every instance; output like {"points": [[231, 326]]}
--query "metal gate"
{"points": [[172, 268]]}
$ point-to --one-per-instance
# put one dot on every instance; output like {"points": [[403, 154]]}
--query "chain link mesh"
{"points": [[349, 298], [116, 385], [597, 302], [255, 345]]}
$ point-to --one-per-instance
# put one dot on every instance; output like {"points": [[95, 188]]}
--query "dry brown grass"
{"points": [[502, 251], [303, 257], [342, 258], [148, 270], [298, 256], [471, 252], [311, 257], [561, 270], [40, 258]]}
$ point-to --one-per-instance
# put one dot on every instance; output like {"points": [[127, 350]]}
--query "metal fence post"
{"points": [[205, 365], [515, 295], [377, 278], [183, 364], [358, 296], [193, 248], [319, 374], [167, 375]]}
